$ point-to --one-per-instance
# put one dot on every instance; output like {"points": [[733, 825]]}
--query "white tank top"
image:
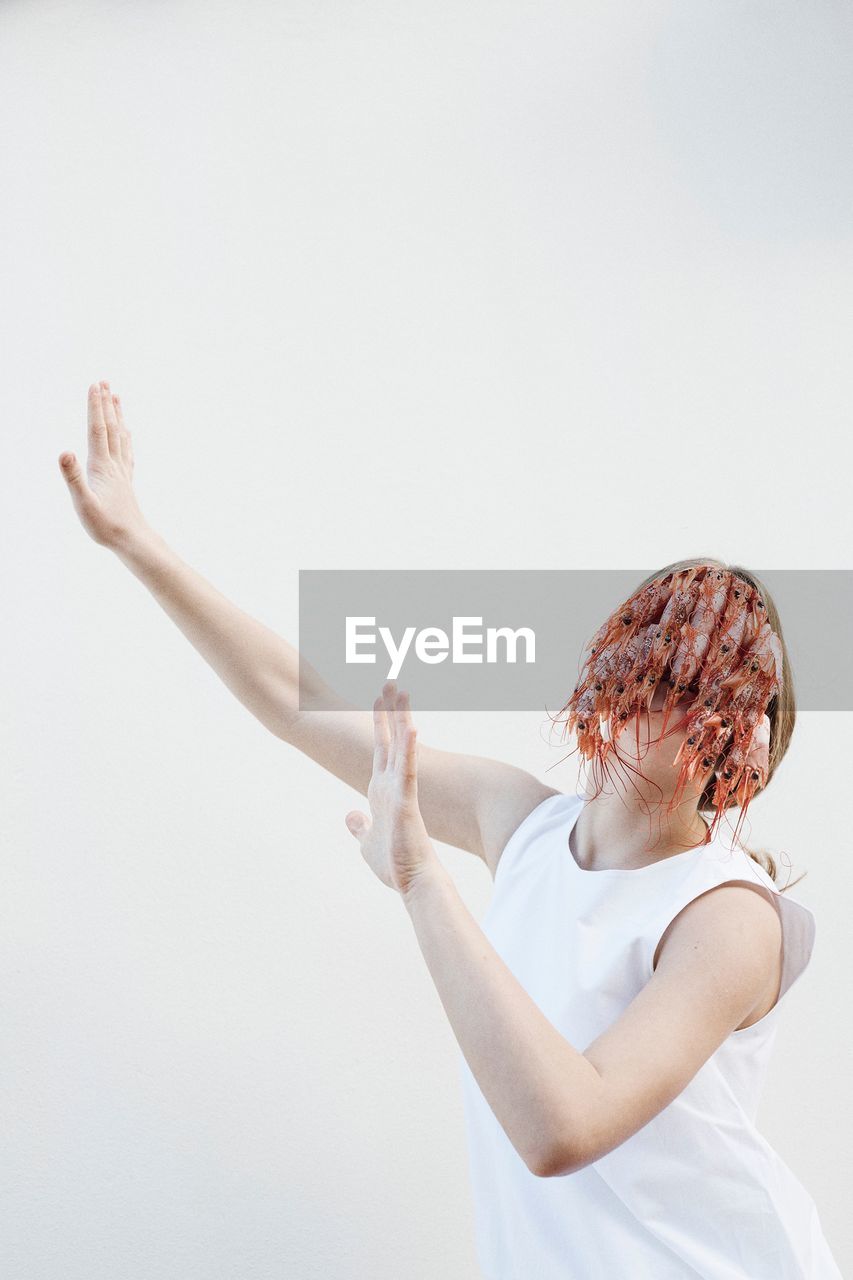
{"points": [[697, 1191]]}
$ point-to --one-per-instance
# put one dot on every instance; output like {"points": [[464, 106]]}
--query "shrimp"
{"points": [[704, 632]]}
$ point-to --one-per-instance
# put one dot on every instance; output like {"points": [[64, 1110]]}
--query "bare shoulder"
{"points": [[738, 924], [726, 910], [513, 798]]}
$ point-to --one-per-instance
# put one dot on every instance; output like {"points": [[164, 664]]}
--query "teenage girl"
{"points": [[616, 1010]]}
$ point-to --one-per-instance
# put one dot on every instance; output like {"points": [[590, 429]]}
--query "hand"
{"points": [[106, 505], [394, 841]]}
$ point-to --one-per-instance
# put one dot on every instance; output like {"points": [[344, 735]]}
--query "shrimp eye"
{"points": [[709, 702], [577, 686], [725, 724], [667, 638], [599, 686], [639, 680], [706, 763], [681, 688], [690, 741], [620, 688], [727, 773], [623, 715], [759, 604], [753, 666], [754, 776], [581, 725], [626, 618], [651, 679], [737, 595], [725, 648]]}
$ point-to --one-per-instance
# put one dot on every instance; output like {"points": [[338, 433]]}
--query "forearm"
{"points": [[537, 1084], [256, 664]]}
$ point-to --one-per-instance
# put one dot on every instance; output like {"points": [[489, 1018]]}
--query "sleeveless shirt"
{"points": [[696, 1192]]}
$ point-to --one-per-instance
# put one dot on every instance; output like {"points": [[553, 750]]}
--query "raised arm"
{"points": [[719, 968], [471, 802]]}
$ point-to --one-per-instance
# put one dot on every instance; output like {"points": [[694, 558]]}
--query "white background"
{"points": [[479, 285]]}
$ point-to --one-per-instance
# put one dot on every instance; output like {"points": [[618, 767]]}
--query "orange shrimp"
{"points": [[702, 631]]}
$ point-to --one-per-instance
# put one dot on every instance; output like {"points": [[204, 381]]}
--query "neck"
{"points": [[631, 829]]}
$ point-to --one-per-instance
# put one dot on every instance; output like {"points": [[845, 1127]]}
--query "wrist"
{"points": [[139, 547], [426, 885]]}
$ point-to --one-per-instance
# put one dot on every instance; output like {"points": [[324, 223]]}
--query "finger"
{"points": [[108, 409], [381, 736], [73, 473], [126, 450], [389, 697], [124, 435], [402, 721], [358, 823], [118, 411], [404, 707], [98, 444], [409, 763]]}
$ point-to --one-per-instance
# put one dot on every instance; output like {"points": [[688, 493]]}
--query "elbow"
{"points": [[554, 1165], [555, 1161], [559, 1160], [578, 1138]]}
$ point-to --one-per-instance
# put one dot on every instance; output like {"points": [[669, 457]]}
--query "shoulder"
{"points": [[520, 812], [736, 925], [734, 912]]}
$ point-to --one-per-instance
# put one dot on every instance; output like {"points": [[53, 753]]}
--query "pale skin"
{"points": [[562, 1106]]}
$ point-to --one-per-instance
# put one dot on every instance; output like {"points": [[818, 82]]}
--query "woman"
{"points": [[616, 1010]]}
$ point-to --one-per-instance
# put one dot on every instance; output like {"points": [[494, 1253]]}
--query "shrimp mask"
{"points": [[701, 631]]}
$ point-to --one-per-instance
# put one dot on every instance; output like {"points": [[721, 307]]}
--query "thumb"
{"points": [[358, 823], [73, 472]]}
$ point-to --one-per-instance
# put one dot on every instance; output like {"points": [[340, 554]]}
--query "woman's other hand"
{"points": [[103, 497], [394, 841]]}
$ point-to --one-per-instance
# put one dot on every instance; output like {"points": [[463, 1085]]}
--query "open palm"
{"points": [[103, 497], [393, 840]]}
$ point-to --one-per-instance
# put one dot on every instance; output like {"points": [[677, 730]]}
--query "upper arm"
{"points": [[480, 799], [468, 801], [719, 958]]}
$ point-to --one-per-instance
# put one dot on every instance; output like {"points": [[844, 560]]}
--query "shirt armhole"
{"points": [[798, 937], [516, 841]]}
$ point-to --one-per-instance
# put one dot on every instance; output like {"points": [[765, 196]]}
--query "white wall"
{"points": [[469, 284]]}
